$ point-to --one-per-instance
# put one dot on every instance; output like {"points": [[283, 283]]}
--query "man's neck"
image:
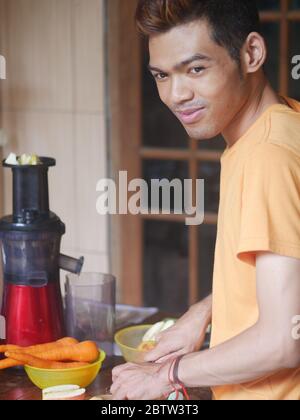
{"points": [[258, 102]]}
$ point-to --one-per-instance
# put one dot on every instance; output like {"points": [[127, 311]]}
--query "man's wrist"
{"points": [[178, 385], [190, 372], [164, 377]]}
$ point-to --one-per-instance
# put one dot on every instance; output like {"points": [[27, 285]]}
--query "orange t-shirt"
{"points": [[259, 211]]}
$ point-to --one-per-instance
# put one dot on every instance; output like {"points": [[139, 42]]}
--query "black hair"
{"points": [[231, 20]]}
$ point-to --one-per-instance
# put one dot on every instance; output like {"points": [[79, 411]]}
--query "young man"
{"points": [[207, 58]]}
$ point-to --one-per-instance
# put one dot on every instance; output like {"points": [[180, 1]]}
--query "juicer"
{"points": [[30, 241]]}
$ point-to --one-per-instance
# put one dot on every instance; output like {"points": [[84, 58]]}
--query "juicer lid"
{"points": [[31, 210]]}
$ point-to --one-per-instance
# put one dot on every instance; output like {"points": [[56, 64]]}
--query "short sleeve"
{"points": [[270, 214]]}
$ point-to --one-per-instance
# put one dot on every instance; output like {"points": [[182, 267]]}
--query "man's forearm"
{"points": [[204, 309], [247, 357], [264, 348]]}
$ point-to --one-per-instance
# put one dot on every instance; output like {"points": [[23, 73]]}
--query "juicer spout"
{"points": [[72, 265]]}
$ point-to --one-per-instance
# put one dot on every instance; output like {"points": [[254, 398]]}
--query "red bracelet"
{"points": [[174, 380], [171, 379], [175, 370]]}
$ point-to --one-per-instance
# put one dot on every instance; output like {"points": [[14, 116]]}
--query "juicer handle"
{"points": [[72, 265]]}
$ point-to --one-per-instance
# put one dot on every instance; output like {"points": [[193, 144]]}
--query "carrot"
{"points": [[8, 347], [86, 351], [67, 341], [8, 363], [27, 359]]}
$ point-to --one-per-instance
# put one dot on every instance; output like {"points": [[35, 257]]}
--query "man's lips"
{"points": [[190, 116]]}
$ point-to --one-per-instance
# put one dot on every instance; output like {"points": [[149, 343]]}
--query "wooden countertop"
{"points": [[14, 385]]}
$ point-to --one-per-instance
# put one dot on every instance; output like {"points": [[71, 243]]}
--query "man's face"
{"points": [[197, 79]]}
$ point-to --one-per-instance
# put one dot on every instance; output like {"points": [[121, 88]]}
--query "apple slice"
{"points": [[152, 332], [64, 392], [156, 329]]}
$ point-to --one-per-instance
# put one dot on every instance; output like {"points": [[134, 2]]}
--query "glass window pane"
{"points": [[160, 127], [294, 88], [295, 4], [161, 169], [210, 172], [271, 32], [166, 265], [269, 4], [207, 241], [217, 143]]}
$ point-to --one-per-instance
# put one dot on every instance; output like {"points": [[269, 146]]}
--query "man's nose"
{"points": [[180, 91]]}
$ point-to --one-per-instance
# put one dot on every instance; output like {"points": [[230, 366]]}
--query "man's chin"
{"points": [[200, 134]]}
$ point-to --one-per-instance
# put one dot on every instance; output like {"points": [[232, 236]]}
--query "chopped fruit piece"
{"points": [[22, 160], [158, 328], [64, 392], [147, 346], [12, 159], [35, 160], [29, 160]]}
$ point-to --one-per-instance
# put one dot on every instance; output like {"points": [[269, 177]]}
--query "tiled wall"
{"points": [[53, 104]]}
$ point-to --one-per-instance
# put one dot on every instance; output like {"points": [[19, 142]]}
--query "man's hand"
{"points": [[186, 336], [140, 382]]}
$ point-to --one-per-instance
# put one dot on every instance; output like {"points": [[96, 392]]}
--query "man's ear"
{"points": [[254, 53]]}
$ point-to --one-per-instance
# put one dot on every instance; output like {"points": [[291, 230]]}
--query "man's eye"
{"points": [[197, 70], [160, 76]]}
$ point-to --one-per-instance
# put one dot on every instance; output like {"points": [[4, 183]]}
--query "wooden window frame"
{"points": [[128, 153], [284, 17]]}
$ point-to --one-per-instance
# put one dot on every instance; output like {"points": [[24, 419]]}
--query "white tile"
{"points": [[96, 264], [3, 27], [91, 165], [3, 49], [89, 67], [39, 61]]}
